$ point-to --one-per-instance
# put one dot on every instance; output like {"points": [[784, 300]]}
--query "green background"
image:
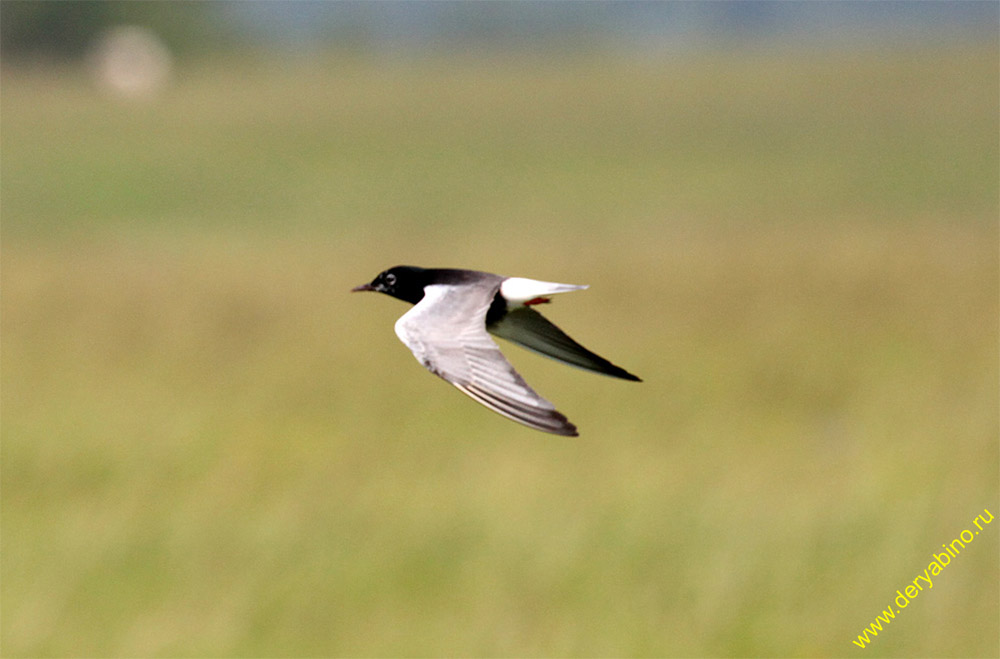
{"points": [[211, 448]]}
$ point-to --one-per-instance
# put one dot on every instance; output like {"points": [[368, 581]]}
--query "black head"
{"points": [[405, 282]]}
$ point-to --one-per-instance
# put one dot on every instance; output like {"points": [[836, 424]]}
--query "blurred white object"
{"points": [[131, 62]]}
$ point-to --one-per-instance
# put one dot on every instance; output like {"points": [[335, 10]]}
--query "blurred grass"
{"points": [[211, 449]]}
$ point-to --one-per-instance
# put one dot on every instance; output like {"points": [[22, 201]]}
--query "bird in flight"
{"points": [[448, 330]]}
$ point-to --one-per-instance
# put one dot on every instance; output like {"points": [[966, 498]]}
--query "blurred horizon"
{"points": [[65, 29]]}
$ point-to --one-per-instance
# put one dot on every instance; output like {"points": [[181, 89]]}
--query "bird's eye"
{"points": [[390, 279]]}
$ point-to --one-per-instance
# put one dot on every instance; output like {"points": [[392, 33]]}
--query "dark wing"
{"points": [[530, 329], [446, 331]]}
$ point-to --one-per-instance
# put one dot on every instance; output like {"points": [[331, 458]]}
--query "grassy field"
{"points": [[211, 448]]}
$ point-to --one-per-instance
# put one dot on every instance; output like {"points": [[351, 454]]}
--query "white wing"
{"points": [[446, 331]]}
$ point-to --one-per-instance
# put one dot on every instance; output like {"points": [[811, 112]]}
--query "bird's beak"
{"points": [[363, 287]]}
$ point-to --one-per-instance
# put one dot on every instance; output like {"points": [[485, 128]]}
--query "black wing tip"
{"points": [[621, 373], [545, 420], [566, 430], [565, 427]]}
